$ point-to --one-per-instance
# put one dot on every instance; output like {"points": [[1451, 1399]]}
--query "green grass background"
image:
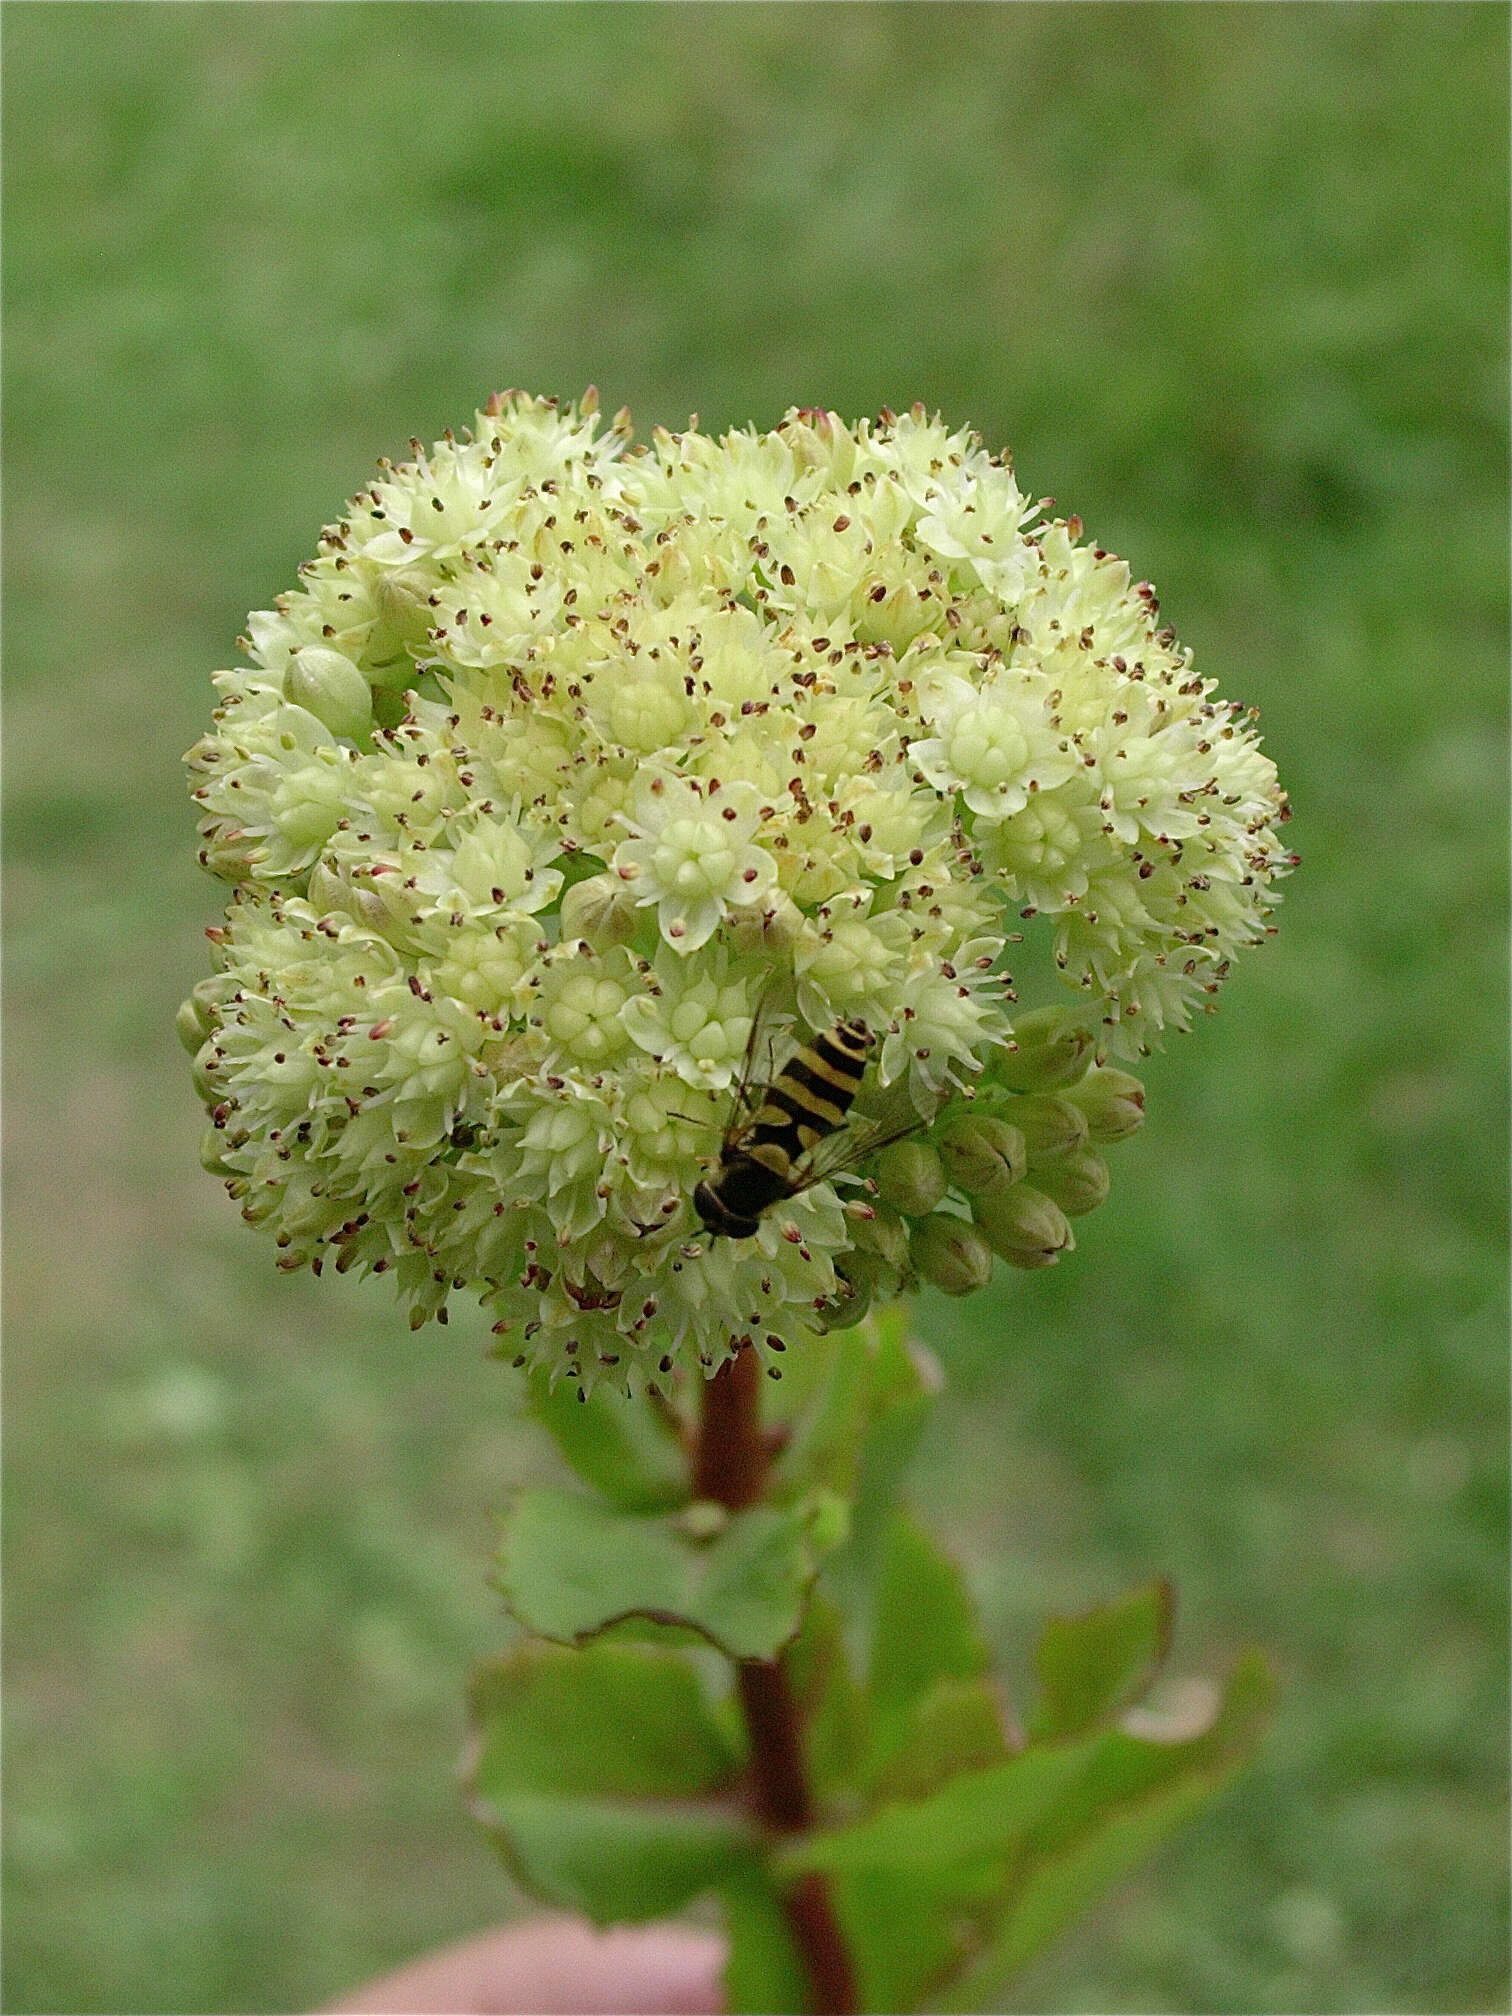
{"points": [[1231, 281]]}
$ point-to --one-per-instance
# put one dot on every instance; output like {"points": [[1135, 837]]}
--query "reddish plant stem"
{"points": [[730, 1466], [730, 1459], [771, 1714]]}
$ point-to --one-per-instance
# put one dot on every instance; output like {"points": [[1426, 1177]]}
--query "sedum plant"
{"points": [[585, 809]]}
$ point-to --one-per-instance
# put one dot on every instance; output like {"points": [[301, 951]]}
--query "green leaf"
{"points": [[975, 1814], [627, 1447], [763, 1971], [906, 1929], [824, 1442], [615, 1862], [901, 1383], [571, 1566], [925, 1627], [957, 1726], [547, 1719], [604, 1778], [1133, 1792], [834, 1712], [1125, 1767], [865, 1375], [1093, 1666]]}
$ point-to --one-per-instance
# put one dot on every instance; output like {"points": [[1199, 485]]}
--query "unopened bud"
{"points": [[1053, 1047], [1113, 1103], [205, 1060], [981, 1151], [326, 891], [213, 1153], [704, 1519], [1050, 1126], [884, 1234], [855, 1291], [1077, 1182], [911, 1177], [227, 853], [1024, 1226], [773, 925], [601, 910], [379, 901], [403, 597], [196, 1017], [330, 687], [951, 1253]]}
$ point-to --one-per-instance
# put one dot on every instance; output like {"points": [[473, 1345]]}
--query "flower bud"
{"points": [[1078, 1182], [1050, 1126], [377, 900], [772, 926], [856, 1288], [1113, 1103], [951, 1253], [403, 596], [981, 1151], [704, 1519], [196, 1017], [1024, 1226], [326, 891], [602, 910], [1052, 1048], [227, 853], [205, 1060], [330, 687], [911, 1177], [884, 1234], [212, 1153]]}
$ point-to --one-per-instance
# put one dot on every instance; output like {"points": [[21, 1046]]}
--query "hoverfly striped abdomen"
{"points": [[764, 1157], [812, 1093]]}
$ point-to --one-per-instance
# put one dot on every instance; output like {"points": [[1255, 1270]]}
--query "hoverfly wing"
{"points": [[757, 1066], [894, 1119]]}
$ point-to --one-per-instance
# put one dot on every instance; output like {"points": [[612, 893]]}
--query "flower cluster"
{"points": [[567, 765]]}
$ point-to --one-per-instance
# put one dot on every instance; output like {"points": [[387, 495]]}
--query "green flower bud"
{"points": [[980, 1152], [227, 854], [381, 902], [603, 910], [1051, 1049], [1024, 1226], [856, 1290], [403, 595], [1077, 1182], [951, 1253], [769, 929], [704, 1519], [911, 1177], [213, 1153], [205, 1060], [1113, 1103], [191, 1030], [883, 1233], [196, 1017], [331, 688], [327, 891], [1050, 1126]]}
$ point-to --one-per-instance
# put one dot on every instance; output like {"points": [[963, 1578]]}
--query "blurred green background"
{"points": [[1231, 281]]}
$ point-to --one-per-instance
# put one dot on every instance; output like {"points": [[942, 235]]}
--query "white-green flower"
{"points": [[995, 741], [695, 1018], [694, 855], [564, 761]]}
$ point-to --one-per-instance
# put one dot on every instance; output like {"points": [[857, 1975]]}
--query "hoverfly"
{"points": [[772, 1147]]}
